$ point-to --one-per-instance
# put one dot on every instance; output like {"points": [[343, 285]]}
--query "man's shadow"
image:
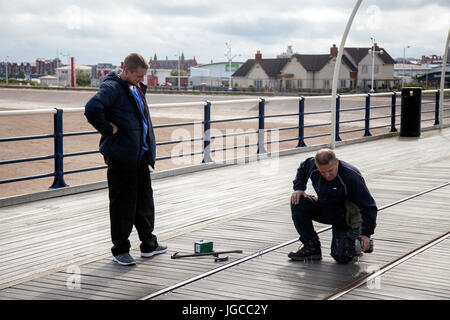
{"points": [[312, 280]]}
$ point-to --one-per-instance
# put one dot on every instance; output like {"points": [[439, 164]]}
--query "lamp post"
{"points": [[230, 58], [7, 69], [178, 55], [66, 77], [373, 51], [404, 61]]}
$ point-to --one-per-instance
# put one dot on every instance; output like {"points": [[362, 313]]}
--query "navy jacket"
{"points": [[115, 103], [349, 184]]}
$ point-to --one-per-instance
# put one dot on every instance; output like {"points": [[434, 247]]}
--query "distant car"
{"points": [[167, 84], [203, 84]]}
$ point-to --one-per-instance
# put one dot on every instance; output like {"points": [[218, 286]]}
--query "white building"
{"points": [[100, 71], [159, 76], [433, 77], [213, 74], [315, 71], [411, 72], [49, 80], [64, 73], [288, 54]]}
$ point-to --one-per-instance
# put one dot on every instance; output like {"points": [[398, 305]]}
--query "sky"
{"points": [[106, 31]]}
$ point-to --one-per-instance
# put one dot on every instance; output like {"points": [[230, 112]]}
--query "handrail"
{"points": [[58, 135], [26, 112]]}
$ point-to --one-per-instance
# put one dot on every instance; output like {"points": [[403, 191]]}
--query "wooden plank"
{"points": [[249, 207], [416, 278]]}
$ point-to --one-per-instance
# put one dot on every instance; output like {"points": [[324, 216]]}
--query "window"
{"points": [[258, 84], [326, 84], [375, 68], [299, 84], [364, 68], [343, 83], [288, 84]]}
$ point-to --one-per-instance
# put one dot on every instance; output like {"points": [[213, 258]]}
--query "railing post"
{"points": [[301, 123], [436, 112], [394, 99], [261, 148], [207, 133], [338, 107], [58, 181], [367, 117]]}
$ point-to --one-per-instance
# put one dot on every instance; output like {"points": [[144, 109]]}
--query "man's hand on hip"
{"points": [[115, 129], [296, 195]]}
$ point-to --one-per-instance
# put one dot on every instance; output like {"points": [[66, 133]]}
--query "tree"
{"points": [[175, 73], [83, 78]]}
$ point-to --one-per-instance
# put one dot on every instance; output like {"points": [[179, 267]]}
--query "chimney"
{"points": [[258, 56], [333, 50]]}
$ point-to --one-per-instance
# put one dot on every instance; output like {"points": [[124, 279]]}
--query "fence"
{"points": [[58, 133]]}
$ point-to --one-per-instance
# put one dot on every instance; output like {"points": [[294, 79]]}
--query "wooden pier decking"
{"points": [[246, 207]]}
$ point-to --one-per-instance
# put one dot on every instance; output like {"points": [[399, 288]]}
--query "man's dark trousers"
{"points": [[343, 243], [131, 203]]}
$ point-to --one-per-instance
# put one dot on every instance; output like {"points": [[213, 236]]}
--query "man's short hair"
{"points": [[324, 157], [134, 61]]}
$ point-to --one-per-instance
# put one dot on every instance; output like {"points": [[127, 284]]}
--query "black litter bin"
{"points": [[410, 112]]}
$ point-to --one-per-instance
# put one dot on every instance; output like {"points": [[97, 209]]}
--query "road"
{"points": [[36, 99]]}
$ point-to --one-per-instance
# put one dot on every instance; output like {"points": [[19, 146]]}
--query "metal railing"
{"points": [[58, 133]]}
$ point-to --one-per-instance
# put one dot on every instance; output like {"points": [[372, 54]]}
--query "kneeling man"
{"points": [[343, 201]]}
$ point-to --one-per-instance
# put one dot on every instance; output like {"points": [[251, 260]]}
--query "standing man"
{"points": [[343, 201], [120, 113]]}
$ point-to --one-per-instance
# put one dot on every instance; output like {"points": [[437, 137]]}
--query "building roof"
{"points": [[349, 64], [313, 62], [215, 63], [316, 62], [357, 54], [173, 64], [271, 67]]}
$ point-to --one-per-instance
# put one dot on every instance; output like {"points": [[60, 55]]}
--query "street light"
{"points": [[404, 61], [178, 55], [372, 51], [67, 56], [230, 58]]}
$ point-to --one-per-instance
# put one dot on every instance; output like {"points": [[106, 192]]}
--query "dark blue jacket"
{"points": [[349, 184], [115, 103]]}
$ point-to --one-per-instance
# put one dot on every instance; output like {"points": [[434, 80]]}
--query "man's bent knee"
{"points": [[303, 202], [345, 247], [299, 208]]}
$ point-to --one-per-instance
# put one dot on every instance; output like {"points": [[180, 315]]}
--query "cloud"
{"points": [[105, 31]]}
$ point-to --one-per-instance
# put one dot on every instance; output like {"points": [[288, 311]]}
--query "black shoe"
{"points": [[160, 249], [124, 259], [358, 245], [370, 249], [310, 251]]}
